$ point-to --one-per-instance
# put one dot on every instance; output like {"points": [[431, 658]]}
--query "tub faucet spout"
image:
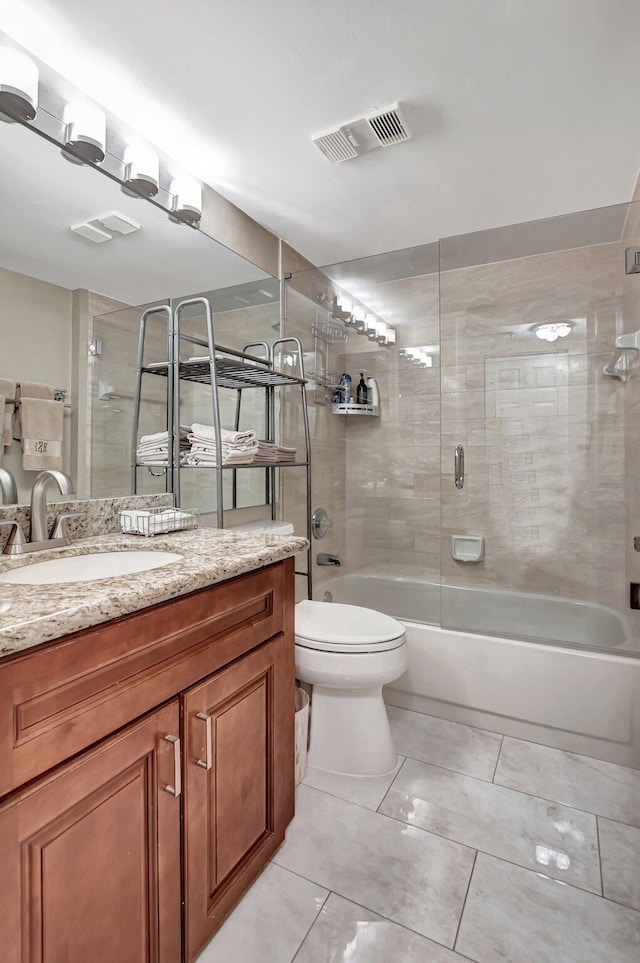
{"points": [[323, 558]]}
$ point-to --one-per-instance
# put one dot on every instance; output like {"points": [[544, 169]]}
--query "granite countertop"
{"points": [[32, 614]]}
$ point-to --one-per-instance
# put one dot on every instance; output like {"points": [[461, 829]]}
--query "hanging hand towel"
{"points": [[8, 389], [42, 427], [29, 389]]}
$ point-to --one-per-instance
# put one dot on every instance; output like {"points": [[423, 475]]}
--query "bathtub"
{"points": [[547, 669]]}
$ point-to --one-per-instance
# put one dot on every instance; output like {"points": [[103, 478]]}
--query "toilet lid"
{"points": [[337, 627]]}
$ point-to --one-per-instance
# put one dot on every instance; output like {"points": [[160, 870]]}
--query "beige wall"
{"points": [[36, 346]]}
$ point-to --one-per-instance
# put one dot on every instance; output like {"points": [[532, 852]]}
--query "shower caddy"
{"points": [[220, 367]]}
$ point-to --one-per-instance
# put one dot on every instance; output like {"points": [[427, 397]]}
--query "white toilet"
{"points": [[347, 653]]}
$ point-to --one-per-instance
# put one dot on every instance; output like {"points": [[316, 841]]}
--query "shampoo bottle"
{"points": [[361, 392], [373, 398]]}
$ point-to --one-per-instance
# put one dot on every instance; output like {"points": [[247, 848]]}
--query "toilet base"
{"points": [[350, 732]]}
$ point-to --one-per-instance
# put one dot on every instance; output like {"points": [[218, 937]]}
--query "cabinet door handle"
{"points": [[207, 762], [176, 788]]}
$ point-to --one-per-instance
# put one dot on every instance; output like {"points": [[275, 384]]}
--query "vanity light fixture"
{"points": [[359, 317], [141, 171], [391, 336], [85, 134], [370, 326], [18, 85], [187, 201], [551, 331], [381, 332]]}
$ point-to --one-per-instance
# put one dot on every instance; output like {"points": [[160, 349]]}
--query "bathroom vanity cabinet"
{"points": [[146, 767]]}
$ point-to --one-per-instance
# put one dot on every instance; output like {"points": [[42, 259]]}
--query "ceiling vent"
{"points": [[389, 125], [380, 128], [336, 145]]}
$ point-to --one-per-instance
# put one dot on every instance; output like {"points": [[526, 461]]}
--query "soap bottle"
{"points": [[373, 398], [361, 391], [345, 389]]}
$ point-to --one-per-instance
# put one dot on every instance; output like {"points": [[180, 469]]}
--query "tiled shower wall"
{"points": [[543, 431]]}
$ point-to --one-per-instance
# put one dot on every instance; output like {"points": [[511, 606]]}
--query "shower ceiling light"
{"points": [[551, 331], [86, 133], [18, 85]]}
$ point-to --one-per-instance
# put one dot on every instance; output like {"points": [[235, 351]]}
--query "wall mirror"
{"points": [[59, 290]]}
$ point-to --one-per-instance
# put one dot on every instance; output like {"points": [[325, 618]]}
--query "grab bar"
{"points": [[458, 462]]}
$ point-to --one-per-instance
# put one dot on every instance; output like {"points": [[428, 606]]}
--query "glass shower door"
{"points": [[534, 536]]}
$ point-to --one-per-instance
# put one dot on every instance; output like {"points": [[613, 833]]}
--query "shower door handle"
{"points": [[458, 462]]}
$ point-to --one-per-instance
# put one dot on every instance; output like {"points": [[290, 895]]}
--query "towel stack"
{"points": [[270, 454], [285, 454], [154, 449], [238, 447]]}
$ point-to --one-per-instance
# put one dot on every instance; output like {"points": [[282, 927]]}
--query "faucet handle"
{"points": [[16, 537], [60, 524]]}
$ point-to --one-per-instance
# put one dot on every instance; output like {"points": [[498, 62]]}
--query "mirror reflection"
{"points": [[79, 260]]}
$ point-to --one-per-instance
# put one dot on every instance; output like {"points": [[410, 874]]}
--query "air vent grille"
{"points": [[389, 126], [336, 146]]}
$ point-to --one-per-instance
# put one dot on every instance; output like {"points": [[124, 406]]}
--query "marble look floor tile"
{"points": [[448, 744], [345, 932], [367, 791], [270, 922], [403, 873], [512, 914], [543, 836], [598, 787], [620, 855]]}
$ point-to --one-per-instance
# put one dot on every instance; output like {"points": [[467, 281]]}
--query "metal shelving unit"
{"points": [[220, 368]]}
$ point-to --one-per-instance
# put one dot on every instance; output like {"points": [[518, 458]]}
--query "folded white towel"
{"points": [[208, 433], [205, 456], [8, 389], [162, 436]]}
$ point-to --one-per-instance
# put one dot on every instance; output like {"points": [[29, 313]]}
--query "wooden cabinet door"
{"points": [[91, 855], [239, 772]]}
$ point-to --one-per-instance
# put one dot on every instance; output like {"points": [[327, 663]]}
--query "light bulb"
{"points": [[142, 170], [86, 133], [358, 317], [187, 200], [18, 85]]}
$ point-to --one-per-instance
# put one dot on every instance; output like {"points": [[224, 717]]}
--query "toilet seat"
{"points": [[334, 627]]}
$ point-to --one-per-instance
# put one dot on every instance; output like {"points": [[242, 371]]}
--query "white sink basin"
{"points": [[88, 568]]}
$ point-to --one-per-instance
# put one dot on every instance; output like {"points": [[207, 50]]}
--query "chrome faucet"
{"points": [[39, 532], [39, 535], [8, 487]]}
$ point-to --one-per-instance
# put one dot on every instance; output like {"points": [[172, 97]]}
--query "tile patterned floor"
{"points": [[477, 848]]}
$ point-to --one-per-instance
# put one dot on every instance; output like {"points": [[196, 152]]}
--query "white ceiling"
{"points": [[521, 109]]}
